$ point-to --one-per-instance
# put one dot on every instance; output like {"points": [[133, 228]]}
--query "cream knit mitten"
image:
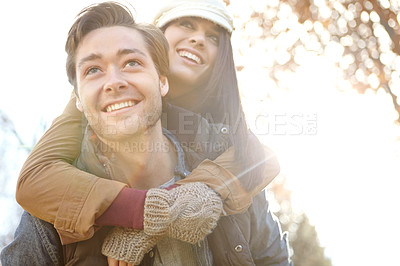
{"points": [[127, 244], [188, 212]]}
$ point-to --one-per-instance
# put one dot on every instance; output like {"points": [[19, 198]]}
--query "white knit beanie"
{"points": [[212, 10]]}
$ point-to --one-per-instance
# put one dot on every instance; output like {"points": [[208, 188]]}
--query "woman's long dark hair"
{"points": [[219, 102]]}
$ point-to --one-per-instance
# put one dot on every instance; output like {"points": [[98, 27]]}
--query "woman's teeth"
{"points": [[190, 56]]}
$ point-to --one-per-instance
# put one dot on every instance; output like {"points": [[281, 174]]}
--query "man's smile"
{"points": [[119, 105]]}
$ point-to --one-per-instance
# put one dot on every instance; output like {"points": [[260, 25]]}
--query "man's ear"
{"points": [[78, 104], [164, 86]]}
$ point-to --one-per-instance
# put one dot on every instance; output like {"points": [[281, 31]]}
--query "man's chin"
{"points": [[128, 127], [113, 134]]}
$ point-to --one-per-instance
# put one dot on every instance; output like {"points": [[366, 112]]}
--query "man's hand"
{"points": [[113, 262]]}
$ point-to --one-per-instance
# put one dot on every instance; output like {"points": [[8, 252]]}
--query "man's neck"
{"points": [[146, 161]]}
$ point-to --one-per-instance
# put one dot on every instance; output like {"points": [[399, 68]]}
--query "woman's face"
{"points": [[193, 49]]}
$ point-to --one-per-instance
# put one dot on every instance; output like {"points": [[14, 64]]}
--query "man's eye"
{"points": [[92, 70], [132, 63]]}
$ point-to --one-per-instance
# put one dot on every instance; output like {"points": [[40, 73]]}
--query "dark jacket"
{"points": [[251, 238]]}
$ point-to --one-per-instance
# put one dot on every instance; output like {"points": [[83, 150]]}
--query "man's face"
{"points": [[118, 85]]}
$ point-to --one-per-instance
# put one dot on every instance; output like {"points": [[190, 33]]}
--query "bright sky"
{"points": [[339, 150]]}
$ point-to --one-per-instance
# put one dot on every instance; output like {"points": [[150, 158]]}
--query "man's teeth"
{"points": [[190, 56], [118, 106]]}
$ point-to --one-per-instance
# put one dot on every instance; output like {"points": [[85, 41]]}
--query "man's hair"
{"points": [[109, 14]]}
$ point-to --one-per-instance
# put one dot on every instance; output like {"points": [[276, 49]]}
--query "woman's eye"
{"points": [[214, 38], [186, 24]]}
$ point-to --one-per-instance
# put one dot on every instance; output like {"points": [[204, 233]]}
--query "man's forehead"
{"points": [[118, 40]]}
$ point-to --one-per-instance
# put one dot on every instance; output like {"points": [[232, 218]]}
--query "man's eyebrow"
{"points": [[120, 52], [131, 51], [88, 58]]}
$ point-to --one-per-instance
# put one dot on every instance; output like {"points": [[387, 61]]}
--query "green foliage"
{"points": [[303, 237], [305, 244]]}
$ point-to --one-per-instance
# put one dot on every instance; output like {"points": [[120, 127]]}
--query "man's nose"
{"points": [[115, 81]]}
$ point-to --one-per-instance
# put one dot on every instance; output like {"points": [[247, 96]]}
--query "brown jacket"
{"points": [[50, 188]]}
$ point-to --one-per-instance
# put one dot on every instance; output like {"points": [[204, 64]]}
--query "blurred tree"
{"points": [[9, 138], [14, 149], [303, 237], [7, 126], [363, 37]]}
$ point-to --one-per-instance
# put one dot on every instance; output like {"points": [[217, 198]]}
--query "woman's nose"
{"points": [[197, 39]]}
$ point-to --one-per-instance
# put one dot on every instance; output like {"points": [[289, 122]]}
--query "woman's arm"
{"points": [[223, 176], [50, 188]]}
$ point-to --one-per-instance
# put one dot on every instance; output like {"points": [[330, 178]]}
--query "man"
{"points": [[120, 79], [119, 89]]}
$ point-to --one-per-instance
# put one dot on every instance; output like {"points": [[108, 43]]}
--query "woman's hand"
{"points": [[188, 212]]}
